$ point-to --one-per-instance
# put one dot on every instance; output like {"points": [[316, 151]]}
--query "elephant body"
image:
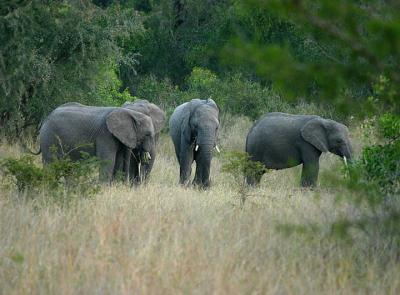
{"points": [[109, 133], [280, 141], [193, 128]]}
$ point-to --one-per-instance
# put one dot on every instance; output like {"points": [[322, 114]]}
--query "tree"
{"points": [[57, 51], [358, 44]]}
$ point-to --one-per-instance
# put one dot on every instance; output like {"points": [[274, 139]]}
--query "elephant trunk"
{"points": [[203, 165], [347, 153]]}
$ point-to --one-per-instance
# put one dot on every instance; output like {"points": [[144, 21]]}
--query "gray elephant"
{"points": [[280, 140], [134, 174], [193, 127], [104, 132]]}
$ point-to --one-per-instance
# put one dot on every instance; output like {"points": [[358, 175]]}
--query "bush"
{"points": [[63, 179], [61, 51], [233, 94], [108, 89], [380, 163], [239, 165], [23, 172], [161, 92]]}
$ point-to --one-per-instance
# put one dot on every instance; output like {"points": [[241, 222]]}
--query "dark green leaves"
{"points": [[57, 51]]}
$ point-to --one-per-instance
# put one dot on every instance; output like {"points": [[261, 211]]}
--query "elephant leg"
{"points": [[186, 160], [107, 152], [135, 169], [203, 166], [126, 164], [119, 166], [309, 173]]}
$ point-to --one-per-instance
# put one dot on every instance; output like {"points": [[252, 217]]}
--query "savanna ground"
{"points": [[164, 239]]}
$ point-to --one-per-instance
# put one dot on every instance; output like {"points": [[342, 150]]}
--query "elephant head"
{"points": [[158, 118], [200, 130], [150, 109], [134, 129], [328, 135]]}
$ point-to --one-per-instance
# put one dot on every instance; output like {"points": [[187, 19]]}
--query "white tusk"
{"points": [[216, 147], [196, 148], [148, 155], [345, 160]]}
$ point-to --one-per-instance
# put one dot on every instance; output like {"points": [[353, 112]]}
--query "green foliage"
{"points": [[24, 173], [356, 44], [375, 175], [57, 51], [161, 92], [233, 94], [238, 164], [108, 90], [63, 179], [381, 163], [182, 35], [389, 125]]}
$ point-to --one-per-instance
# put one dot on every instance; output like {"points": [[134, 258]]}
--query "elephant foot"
{"points": [[184, 183], [200, 184], [308, 183]]}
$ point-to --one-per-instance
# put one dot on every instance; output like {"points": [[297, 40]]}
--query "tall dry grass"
{"points": [[165, 239]]}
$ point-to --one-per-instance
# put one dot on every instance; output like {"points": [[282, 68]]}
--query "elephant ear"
{"points": [[158, 117], [186, 128], [122, 124], [314, 132], [156, 114], [211, 102]]}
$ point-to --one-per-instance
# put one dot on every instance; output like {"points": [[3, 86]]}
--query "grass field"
{"points": [[165, 239]]}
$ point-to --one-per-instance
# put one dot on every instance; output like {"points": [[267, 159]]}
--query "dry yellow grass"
{"points": [[164, 239]]}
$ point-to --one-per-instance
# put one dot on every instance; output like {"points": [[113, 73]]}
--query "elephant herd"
{"points": [[125, 139]]}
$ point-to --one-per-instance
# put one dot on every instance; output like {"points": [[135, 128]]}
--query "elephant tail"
{"points": [[35, 153], [26, 149], [23, 144]]}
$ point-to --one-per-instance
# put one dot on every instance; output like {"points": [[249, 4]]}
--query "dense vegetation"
{"points": [[243, 53], [339, 59]]}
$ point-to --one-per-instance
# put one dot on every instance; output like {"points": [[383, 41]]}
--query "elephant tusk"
{"points": [[196, 148], [345, 160], [216, 147], [147, 155]]}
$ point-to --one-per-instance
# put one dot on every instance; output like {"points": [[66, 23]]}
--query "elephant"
{"points": [[280, 141], [193, 128], [135, 175], [104, 132]]}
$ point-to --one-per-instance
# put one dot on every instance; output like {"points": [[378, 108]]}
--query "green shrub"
{"points": [[61, 51], [108, 89], [23, 172], [161, 92], [381, 163], [239, 165], [233, 94], [62, 179]]}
